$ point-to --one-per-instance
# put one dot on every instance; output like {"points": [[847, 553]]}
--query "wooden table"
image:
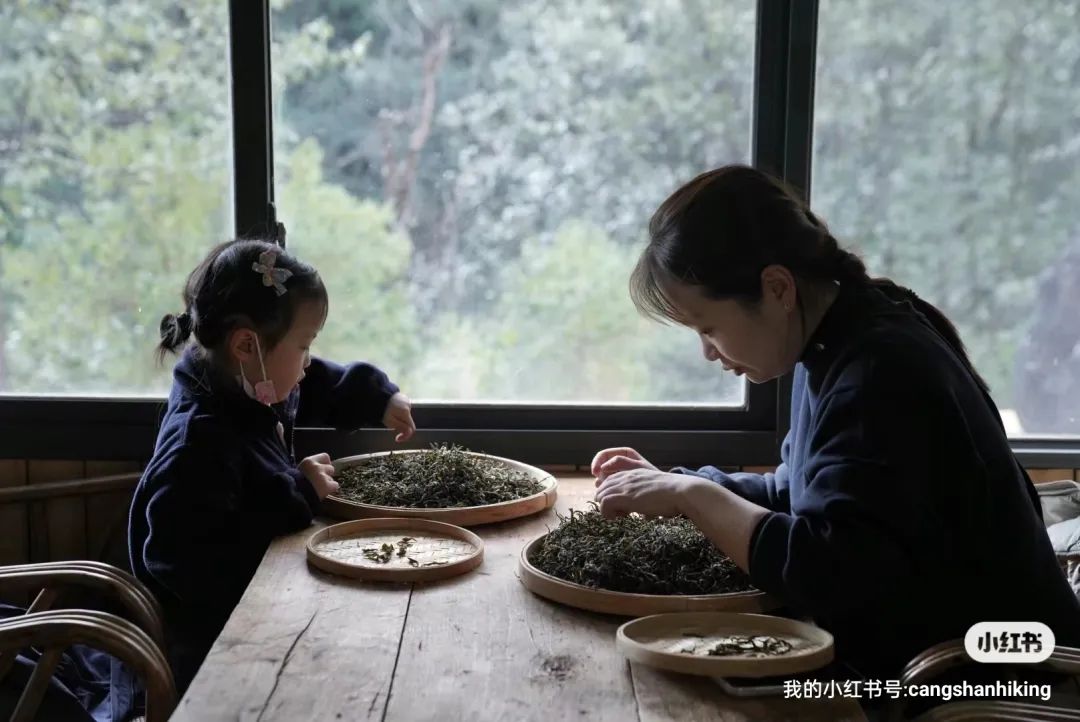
{"points": [[304, 645]]}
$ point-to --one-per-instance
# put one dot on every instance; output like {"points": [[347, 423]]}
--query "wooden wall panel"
{"points": [[14, 518], [14, 526], [58, 526], [1040, 476], [107, 514], [95, 526]]}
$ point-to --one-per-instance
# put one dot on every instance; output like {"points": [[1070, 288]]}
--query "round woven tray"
{"points": [[436, 550], [680, 643], [340, 508], [632, 605]]}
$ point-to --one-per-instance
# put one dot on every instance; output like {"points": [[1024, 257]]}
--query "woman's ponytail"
{"points": [[849, 268]]}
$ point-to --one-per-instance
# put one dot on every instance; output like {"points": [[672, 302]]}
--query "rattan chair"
{"points": [[138, 641], [952, 655]]}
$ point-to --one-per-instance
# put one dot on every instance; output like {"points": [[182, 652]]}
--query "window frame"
{"points": [[43, 427]]}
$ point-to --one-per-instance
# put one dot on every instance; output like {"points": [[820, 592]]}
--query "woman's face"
{"points": [[762, 341]]}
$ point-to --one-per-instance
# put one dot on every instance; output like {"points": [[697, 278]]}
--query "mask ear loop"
{"points": [[262, 366]]}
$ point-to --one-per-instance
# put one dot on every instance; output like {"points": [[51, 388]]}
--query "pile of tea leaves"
{"points": [[636, 555], [443, 476]]}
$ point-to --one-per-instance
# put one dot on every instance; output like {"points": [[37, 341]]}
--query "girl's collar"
{"points": [[211, 386]]}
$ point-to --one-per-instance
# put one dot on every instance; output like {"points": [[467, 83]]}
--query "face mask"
{"points": [[264, 391]]}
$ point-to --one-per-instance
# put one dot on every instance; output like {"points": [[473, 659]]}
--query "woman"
{"points": [[899, 516]]}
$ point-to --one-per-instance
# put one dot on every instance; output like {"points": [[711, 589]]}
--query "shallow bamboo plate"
{"points": [[466, 515], [656, 641], [448, 549], [631, 605]]}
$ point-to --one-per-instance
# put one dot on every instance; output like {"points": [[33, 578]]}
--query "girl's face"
{"points": [[285, 363], [762, 342]]}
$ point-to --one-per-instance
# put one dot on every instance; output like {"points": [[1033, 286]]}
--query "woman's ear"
{"points": [[241, 345], [778, 286]]}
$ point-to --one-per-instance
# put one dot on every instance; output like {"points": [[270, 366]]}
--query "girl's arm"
{"points": [[343, 397], [205, 535]]}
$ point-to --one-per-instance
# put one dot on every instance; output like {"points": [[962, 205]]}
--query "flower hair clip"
{"points": [[271, 276]]}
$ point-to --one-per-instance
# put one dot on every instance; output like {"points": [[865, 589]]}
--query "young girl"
{"points": [[223, 481], [899, 516]]}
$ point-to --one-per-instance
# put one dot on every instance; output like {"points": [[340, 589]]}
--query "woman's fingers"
{"points": [[615, 483], [604, 455], [613, 506], [622, 463]]}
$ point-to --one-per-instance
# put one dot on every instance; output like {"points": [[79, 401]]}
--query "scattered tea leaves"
{"points": [[637, 555], [376, 555], [738, 645], [383, 554], [444, 476]]}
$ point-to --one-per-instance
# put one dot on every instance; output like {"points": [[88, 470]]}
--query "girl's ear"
{"points": [[241, 345]]}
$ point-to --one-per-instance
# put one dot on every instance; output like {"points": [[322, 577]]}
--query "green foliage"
{"points": [[114, 179], [475, 212], [362, 260], [946, 150], [528, 204]]}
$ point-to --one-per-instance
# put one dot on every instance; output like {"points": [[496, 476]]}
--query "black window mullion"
{"points": [[798, 137], [784, 89], [799, 101], [253, 152], [784, 115], [770, 85]]}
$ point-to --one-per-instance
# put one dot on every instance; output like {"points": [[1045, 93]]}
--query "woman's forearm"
{"points": [[724, 517]]}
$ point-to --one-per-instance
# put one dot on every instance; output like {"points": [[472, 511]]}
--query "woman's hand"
{"points": [[643, 490], [726, 519], [398, 416], [616, 459], [320, 472]]}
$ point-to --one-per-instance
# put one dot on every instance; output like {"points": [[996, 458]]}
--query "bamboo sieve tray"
{"points": [[437, 550], [632, 605], [659, 641], [341, 508]]}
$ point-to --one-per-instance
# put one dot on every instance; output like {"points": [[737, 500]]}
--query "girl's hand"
{"points": [[642, 490], [620, 458], [398, 416], [320, 472]]}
